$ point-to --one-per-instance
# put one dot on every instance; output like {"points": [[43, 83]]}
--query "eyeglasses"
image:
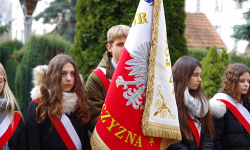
{"points": [[2, 81]]}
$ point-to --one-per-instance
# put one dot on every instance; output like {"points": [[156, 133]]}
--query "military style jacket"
{"points": [[96, 90]]}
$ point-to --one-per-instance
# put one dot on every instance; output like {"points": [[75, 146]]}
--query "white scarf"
{"points": [[69, 100], [194, 105]]}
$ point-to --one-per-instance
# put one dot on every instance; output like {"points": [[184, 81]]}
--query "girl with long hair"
{"points": [[12, 131], [195, 120], [57, 115], [231, 110]]}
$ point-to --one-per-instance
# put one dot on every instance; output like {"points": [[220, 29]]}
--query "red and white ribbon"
{"points": [[7, 129], [239, 111]]}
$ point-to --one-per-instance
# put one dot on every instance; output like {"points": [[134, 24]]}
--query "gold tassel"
{"points": [[97, 143]]}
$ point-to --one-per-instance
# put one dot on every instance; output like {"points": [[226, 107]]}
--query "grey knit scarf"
{"points": [[194, 105]]}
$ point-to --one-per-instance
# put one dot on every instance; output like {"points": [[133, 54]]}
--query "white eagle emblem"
{"points": [[139, 67]]}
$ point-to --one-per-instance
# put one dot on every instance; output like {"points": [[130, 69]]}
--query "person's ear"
{"points": [[109, 47]]}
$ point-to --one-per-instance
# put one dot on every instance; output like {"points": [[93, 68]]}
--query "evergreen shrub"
{"points": [[212, 70], [6, 58]]}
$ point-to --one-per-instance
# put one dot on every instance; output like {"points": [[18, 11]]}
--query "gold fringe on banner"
{"points": [[97, 143], [172, 134]]}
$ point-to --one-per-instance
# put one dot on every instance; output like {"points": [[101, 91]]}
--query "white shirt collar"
{"points": [[113, 63]]}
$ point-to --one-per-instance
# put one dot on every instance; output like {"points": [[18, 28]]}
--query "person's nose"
{"points": [[199, 79], [247, 83], [68, 77]]}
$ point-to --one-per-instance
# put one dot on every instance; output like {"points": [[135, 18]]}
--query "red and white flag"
{"points": [[120, 123]]}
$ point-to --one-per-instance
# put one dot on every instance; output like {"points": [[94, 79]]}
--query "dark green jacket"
{"points": [[96, 90]]}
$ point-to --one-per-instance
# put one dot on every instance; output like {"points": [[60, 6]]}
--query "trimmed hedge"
{"points": [[239, 58], [197, 52]]}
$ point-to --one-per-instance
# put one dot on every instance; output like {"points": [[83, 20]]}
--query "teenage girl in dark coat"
{"points": [[232, 129], [58, 94], [193, 106]]}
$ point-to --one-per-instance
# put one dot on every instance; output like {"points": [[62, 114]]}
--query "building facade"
{"points": [[223, 15], [37, 28]]}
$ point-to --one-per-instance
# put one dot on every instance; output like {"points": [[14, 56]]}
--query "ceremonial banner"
{"points": [[120, 122], [160, 117]]}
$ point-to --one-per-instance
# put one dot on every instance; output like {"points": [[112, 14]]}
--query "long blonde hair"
{"points": [[7, 94]]}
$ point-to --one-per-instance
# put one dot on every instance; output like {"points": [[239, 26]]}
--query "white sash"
{"points": [[5, 124], [104, 71], [244, 112], [71, 131]]}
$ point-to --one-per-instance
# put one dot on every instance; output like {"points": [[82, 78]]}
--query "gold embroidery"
{"points": [[167, 55], [161, 106], [151, 141]]}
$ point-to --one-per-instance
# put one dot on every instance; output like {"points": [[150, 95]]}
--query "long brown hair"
{"points": [[51, 95], [182, 70], [231, 79], [7, 93]]}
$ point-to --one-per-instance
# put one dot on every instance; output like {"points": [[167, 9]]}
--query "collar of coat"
{"points": [[69, 100], [105, 63], [217, 108]]}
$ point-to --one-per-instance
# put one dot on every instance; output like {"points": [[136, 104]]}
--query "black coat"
{"points": [[44, 136], [18, 139], [206, 143], [229, 132]]}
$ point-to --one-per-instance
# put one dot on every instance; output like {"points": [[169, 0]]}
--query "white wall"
{"points": [[224, 19], [38, 27]]}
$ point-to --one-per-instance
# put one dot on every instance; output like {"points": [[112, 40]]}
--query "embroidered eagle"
{"points": [[139, 69]]}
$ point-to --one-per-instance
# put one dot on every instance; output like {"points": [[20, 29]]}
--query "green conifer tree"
{"points": [[224, 57], [242, 32], [62, 13], [212, 70]]}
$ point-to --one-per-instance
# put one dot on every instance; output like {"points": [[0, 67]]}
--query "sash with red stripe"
{"points": [[195, 128], [101, 73], [238, 110], [66, 131], [7, 129]]}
